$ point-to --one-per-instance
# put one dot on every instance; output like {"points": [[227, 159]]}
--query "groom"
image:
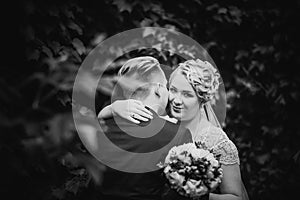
{"points": [[141, 78]]}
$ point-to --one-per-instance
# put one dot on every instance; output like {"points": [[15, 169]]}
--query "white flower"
{"points": [[200, 184], [214, 163], [213, 184], [187, 160], [177, 152], [176, 178], [186, 189], [173, 153], [210, 174], [210, 157], [199, 153], [167, 169], [201, 190], [186, 147], [191, 186]]}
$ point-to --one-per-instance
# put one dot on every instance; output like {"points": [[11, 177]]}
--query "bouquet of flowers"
{"points": [[192, 170]]}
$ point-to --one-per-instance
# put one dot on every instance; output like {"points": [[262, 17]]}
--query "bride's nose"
{"points": [[177, 100]]}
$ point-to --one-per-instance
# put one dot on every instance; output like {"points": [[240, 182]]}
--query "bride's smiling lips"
{"points": [[176, 108]]}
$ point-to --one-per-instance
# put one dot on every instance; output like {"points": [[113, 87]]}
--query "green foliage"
{"points": [[253, 43]]}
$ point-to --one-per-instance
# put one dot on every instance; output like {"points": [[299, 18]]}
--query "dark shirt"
{"points": [[142, 138]]}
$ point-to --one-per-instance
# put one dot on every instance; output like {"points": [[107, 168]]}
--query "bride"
{"points": [[191, 87]]}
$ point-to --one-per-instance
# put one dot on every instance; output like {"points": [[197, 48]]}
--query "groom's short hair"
{"points": [[138, 75]]}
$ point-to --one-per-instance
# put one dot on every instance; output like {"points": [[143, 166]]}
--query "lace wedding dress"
{"points": [[216, 139]]}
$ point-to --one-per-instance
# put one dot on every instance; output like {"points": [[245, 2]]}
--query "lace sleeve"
{"points": [[228, 152], [217, 140]]}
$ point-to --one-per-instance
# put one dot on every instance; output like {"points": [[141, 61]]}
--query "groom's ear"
{"points": [[157, 91]]}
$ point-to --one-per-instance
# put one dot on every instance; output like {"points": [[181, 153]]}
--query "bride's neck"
{"points": [[193, 124]]}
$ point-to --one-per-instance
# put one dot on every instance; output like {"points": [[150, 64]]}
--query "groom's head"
{"points": [[143, 79]]}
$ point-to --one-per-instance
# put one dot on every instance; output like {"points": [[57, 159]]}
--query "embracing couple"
{"points": [[135, 123]]}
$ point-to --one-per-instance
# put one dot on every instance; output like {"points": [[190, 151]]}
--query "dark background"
{"points": [[254, 43]]}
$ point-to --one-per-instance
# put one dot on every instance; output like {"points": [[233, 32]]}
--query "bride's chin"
{"points": [[176, 115]]}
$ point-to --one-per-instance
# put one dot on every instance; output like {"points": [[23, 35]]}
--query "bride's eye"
{"points": [[188, 95]]}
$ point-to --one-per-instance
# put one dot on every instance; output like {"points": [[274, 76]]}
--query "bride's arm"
{"points": [[125, 109], [232, 187]]}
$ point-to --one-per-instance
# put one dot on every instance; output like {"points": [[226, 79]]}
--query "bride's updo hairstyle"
{"points": [[202, 76]]}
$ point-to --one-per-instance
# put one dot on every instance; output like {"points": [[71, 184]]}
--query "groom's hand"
{"points": [[132, 110]]}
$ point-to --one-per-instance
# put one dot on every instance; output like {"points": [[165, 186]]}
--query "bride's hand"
{"points": [[132, 110]]}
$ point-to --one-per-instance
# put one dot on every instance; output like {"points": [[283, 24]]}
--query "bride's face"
{"points": [[184, 104]]}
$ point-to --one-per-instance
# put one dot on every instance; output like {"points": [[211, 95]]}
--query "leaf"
{"points": [[55, 46], [59, 193], [280, 100], [241, 54], [68, 13], [262, 159], [123, 5], [222, 11], [297, 157], [60, 130], [262, 49], [248, 84], [212, 7], [146, 23], [79, 46], [98, 39], [73, 185], [146, 5], [75, 27], [236, 14], [47, 51], [149, 31]]}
